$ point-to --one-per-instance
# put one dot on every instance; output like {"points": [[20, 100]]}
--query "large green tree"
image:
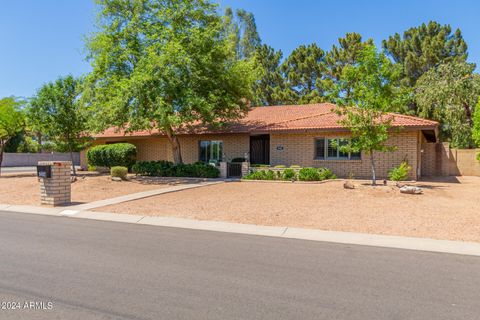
{"points": [[11, 122], [164, 64], [304, 70], [372, 78], [344, 54], [242, 31], [270, 82], [61, 114], [448, 93], [423, 47]]}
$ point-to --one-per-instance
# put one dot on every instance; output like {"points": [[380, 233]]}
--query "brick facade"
{"points": [[299, 149], [286, 149]]}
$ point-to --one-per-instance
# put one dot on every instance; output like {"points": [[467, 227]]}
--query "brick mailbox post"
{"points": [[55, 184]]}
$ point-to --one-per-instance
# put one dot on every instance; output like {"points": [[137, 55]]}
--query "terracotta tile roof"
{"points": [[291, 118]]}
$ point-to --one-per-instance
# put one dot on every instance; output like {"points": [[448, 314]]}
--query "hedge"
{"points": [[288, 174], [112, 155], [169, 169]]}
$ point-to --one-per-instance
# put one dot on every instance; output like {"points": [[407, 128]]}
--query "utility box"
{"points": [[55, 184]]}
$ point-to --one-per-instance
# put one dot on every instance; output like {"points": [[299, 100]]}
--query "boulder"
{"points": [[411, 190], [116, 179], [348, 185]]}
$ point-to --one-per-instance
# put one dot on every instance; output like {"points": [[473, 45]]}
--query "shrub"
{"points": [[112, 155], [280, 166], [120, 172], [91, 168], [400, 173], [326, 174], [295, 166], [289, 174], [478, 156], [308, 174], [169, 169]]}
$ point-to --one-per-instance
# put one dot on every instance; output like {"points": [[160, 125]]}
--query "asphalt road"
{"points": [[84, 269]]}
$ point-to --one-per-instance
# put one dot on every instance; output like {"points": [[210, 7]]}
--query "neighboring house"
{"points": [[285, 135]]}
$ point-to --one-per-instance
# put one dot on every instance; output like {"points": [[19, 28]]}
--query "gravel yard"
{"points": [[448, 209], [26, 189]]}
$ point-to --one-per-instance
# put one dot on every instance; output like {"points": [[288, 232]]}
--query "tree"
{"points": [[421, 48], [476, 125], [304, 70], [61, 114], [365, 113], [346, 53], [241, 29], [11, 122], [448, 93], [164, 64], [270, 83]]}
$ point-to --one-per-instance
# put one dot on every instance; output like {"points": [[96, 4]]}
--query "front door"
{"points": [[260, 149]]}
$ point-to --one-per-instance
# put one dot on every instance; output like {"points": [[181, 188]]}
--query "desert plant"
{"points": [[400, 173], [119, 172], [111, 155]]}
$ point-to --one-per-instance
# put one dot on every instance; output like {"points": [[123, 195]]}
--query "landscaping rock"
{"points": [[348, 185], [116, 179], [411, 190]]}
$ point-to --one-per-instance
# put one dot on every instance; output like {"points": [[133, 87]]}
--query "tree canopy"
{"points": [[57, 109], [11, 121], [448, 93], [165, 64], [373, 95]]}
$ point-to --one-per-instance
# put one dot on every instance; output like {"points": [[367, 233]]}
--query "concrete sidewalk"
{"points": [[398, 242]]}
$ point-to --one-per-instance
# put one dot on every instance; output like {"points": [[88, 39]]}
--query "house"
{"points": [[301, 135]]}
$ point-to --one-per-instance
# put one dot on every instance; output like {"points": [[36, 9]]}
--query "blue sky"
{"points": [[41, 40]]}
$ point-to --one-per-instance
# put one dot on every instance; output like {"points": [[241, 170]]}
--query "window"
{"points": [[210, 151], [329, 148]]}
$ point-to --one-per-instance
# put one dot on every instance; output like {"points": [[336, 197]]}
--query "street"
{"points": [[86, 269]]}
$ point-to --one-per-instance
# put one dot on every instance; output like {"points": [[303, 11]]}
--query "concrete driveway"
{"points": [[102, 270]]}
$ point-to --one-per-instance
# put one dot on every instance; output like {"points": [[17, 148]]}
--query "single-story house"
{"points": [[303, 135]]}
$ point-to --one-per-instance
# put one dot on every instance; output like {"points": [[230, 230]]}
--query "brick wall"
{"points": [[438, 159], [299, 149]]}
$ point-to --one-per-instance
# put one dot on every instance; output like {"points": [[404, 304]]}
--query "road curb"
{"points": [[364, 239]]}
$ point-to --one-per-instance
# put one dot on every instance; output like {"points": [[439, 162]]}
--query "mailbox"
{"points": [[44, 172]]}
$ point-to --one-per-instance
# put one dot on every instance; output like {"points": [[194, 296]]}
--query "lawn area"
{"points": [[448, 209], [26, 189]]}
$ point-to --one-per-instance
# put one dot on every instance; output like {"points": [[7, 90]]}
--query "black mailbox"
{"points": [[44, 171]]}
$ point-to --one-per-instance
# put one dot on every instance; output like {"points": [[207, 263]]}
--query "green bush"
{"points": [[308, 174], [289, 174], [326, 174], [112, 155], [280, 166], [169, 169], [400, 173], [478, 156], [119, 172], [91, 168], [261, 175]]}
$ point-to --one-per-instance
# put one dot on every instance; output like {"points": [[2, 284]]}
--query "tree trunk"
{"points": [[39, 140], [177, 154], [374, 176], [71, 159]]}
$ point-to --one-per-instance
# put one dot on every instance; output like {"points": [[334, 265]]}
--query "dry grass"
{"points": [[448, 209]]}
